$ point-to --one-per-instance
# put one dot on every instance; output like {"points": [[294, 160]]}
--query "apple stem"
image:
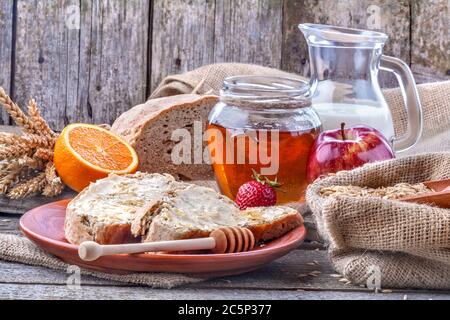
{"points": [[343, 131]]}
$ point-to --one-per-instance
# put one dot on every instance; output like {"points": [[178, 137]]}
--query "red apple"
{"points": [[345, 149]]}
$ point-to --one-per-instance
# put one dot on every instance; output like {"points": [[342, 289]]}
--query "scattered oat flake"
{"points": [[405, 297], [311, 264], [343, 280], [6, 220], [335, 275], [386, 291]]}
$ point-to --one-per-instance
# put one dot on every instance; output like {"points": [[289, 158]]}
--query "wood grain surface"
{"points": [[249, 31], [430, 40], [6, 47], [88, 61], [183, 37], [304, 273], [90, 72]]}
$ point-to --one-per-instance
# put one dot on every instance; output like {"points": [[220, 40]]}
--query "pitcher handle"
{"points": [[411, 99]]}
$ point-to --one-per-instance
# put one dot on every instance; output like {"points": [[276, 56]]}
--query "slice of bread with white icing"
{"points": [[269, 223], [196, 211], [103, 212]]}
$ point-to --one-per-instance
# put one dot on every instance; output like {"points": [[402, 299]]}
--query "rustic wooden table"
{"points": [[305, 273]]}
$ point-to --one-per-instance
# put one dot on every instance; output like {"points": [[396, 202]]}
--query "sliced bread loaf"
{"points": [[149, 127], [103, 212]]}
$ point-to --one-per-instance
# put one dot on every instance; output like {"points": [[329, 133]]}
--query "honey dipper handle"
{"points": [[222, 240], [90, 251]]}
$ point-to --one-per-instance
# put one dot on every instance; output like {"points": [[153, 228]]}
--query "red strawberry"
{"points": [[258, 193]]}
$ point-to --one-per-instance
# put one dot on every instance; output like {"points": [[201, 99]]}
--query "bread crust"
{"points": [[131, 123], [276, 229]]}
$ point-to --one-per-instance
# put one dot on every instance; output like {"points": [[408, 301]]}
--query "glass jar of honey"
{"points": [[262, 125]]}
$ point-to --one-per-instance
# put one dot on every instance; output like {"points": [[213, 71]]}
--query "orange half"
{"points": [[85, 153]]}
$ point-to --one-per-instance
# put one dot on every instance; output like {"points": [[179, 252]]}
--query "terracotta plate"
{"points": [[45, 227]]}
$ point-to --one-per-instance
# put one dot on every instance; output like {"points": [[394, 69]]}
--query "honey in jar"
{"points": [[264, 125]]}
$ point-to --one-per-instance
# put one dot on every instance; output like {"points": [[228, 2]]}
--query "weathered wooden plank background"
{"points": [[88, 61]]}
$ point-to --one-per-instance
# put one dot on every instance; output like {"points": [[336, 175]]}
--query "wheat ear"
{"points": [[28, 188], [39, 121], [14, 151], [12, 173], [32, 163], [44, 154], [7, 138], [35, 140], [54, 184], [16, 113]]}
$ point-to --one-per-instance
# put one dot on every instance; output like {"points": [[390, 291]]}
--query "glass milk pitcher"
{"points": [[344, 68]]}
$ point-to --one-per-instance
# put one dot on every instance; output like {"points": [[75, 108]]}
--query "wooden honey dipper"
{"points": [[222, 240]]}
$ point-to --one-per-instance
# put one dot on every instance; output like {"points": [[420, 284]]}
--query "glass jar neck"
{"points": [[263, 105], [265, 92]]}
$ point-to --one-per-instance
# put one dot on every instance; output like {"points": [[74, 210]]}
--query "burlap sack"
{"points": [[209, 79], [408, 243]]}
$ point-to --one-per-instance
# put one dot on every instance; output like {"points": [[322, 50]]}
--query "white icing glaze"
{"points": [[116, 198]]}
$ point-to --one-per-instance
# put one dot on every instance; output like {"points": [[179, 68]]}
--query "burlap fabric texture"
{"points": [[409, 244], [208, 79]]}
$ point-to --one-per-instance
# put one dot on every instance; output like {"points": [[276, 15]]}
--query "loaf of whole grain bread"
{"points": [[152, 207], [154, 129]]}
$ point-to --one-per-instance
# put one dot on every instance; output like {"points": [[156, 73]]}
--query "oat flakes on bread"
{"points": [[196, 211], [148, 128], [103, 212]]}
